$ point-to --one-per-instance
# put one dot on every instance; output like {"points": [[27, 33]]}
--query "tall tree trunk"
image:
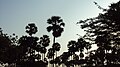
{"points": [[42, 57], [54, 40], [53, 60], [53, 49]]}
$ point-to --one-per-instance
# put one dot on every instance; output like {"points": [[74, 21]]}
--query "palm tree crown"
{"points": [[45, 40], [56, 46], [31, 29], [56, 25]]}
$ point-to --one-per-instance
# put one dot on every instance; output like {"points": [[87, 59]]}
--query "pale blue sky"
{"points": [[16, 14]]}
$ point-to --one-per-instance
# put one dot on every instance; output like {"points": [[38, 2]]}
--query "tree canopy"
{"points": [[104, 31]]}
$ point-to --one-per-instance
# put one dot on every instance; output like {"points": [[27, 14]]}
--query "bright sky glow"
{"points": [[16, 14]]}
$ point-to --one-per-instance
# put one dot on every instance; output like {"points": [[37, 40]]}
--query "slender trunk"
{"points": [[54, 40], [42, 57], [53, 60], [53, 49]]}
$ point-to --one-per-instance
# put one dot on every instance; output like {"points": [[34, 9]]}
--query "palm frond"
{"points": [[49, 28], [49, 21], [62, 24], [60, 20]]}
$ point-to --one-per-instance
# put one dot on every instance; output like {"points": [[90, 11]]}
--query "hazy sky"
{"points": [[16, 14]]}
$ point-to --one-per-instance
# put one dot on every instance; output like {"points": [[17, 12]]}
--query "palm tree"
{"points": [[44, 41], [56, 26], [31, 29], [50, 53], [72, 47], [56, 47], [43, 51], [32, 41]]}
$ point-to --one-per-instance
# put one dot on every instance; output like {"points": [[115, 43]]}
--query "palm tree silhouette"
{"points": [[31, 29], [50, 53], [72, 47], [32, 41], [44, 41], [43, 51], [56, 47], [56, 26]]}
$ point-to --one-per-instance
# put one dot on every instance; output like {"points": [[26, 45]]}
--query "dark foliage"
{"points": [[104, 31]]}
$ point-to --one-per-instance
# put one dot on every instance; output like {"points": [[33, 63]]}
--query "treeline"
{"points": [[30, 51]]}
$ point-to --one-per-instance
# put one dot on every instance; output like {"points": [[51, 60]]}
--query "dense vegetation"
{"points": [[30, 51]]}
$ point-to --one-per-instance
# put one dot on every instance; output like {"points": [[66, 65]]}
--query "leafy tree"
{"points": [[8, 48], [81, 45], [5, 43], [29, 45], [104, 31]]}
